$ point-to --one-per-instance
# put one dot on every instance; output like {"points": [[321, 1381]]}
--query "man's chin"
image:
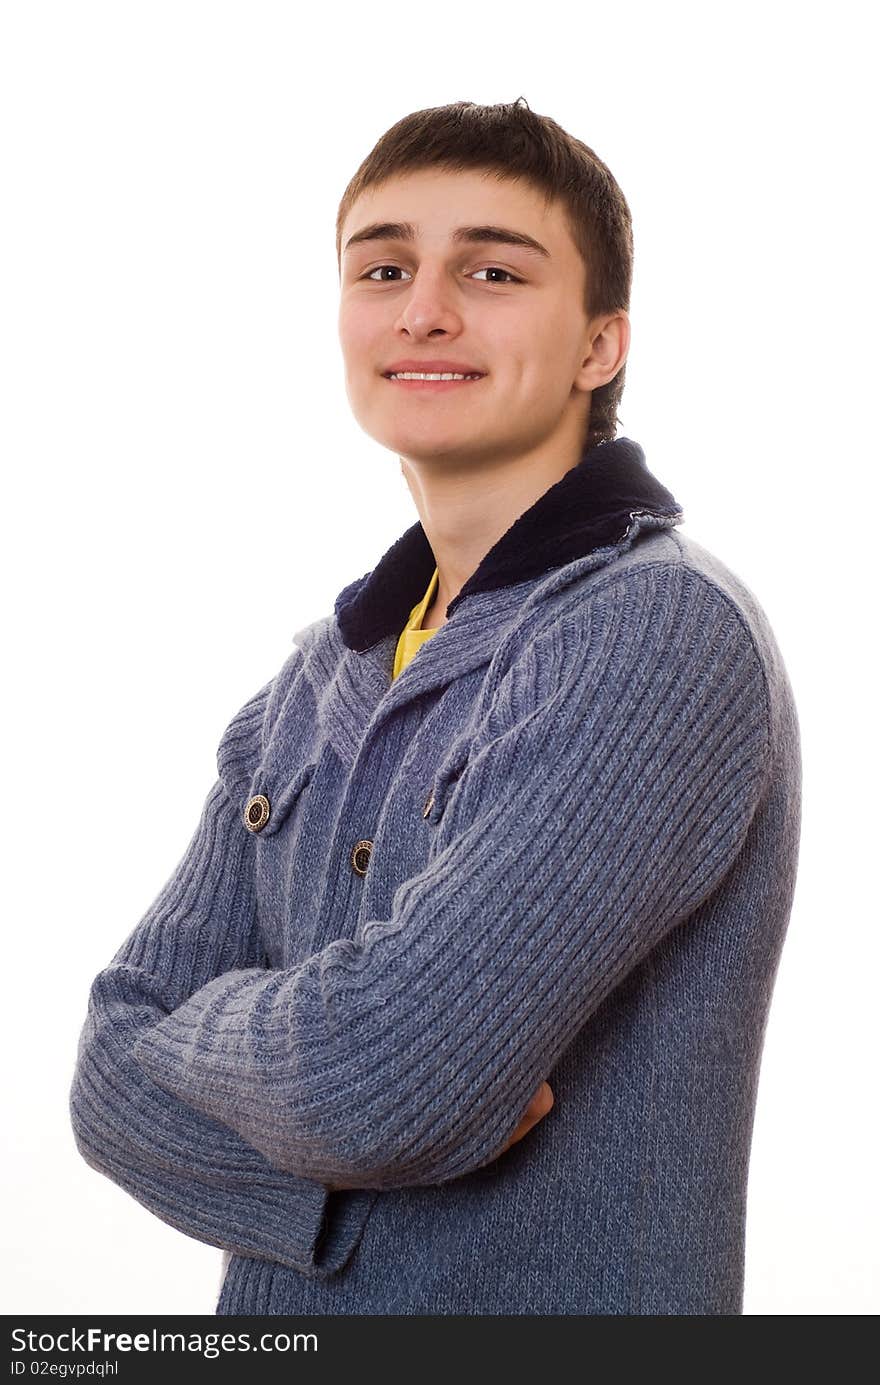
{"points": [[425, 452]]}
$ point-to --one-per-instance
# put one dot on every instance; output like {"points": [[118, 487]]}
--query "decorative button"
{"points": [[256, 813], [360, 856], [429, 803]]}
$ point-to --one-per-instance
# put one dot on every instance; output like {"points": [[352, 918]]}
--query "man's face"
{"points": [[508, 311]]}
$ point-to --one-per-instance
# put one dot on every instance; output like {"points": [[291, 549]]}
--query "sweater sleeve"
{"points": [[194, 1172], [609, 787]]}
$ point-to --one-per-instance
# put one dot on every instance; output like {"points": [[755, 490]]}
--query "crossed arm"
{"points": [[605, 796]]}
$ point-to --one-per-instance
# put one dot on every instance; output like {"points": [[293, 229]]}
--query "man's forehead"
{"points": [[416, 208]]}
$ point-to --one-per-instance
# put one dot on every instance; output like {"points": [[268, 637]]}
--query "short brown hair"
{"points": [[515, 142]]}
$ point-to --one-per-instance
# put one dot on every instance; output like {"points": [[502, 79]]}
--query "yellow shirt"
{"points": [[412, 637]]}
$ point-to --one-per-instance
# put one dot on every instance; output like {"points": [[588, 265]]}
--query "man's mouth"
{"points": [[431, 380]]}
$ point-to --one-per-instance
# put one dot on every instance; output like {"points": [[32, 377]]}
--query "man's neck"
{"points": [[465, 511]]}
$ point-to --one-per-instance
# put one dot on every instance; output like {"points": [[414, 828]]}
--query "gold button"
{"points": [[429, 803], [360, 856], [256, 814]]}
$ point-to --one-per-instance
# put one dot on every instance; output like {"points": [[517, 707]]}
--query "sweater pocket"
{"points": [[271, 799], [276, 813], [446, 776]]}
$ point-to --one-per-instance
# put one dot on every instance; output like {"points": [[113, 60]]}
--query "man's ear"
{"points": [[607, 348]]}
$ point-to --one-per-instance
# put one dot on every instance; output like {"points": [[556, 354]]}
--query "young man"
{"points": [[515, 826]]}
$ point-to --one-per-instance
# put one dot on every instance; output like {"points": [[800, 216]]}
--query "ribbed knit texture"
{"points": [[614, 819], [193, 1172]]}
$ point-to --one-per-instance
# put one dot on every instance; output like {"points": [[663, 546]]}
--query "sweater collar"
{"points": [[589, 508]]}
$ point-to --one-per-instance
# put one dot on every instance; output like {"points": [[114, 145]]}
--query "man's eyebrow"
{"points": [[471, 235]]}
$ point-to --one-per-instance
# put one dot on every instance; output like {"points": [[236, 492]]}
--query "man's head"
{"points": [[546, 322]]}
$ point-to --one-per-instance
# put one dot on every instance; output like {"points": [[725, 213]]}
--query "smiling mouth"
{"points": [[407, 380]]}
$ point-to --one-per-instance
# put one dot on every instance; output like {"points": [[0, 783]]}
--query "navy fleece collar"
{"points": [[590, 507]]}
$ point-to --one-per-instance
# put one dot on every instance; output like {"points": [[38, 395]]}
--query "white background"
{"points": [[184, 487]]}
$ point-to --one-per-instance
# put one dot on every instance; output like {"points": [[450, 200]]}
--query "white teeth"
{"points": [[425, 375]]}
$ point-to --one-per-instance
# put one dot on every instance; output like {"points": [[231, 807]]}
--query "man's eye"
{"points": [[491, 269], [379, 268], [496, 269]]}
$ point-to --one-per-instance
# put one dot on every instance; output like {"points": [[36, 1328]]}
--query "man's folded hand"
{"points": [[537, 1109]]}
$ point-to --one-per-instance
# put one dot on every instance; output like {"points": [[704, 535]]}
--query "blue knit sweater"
{"points": [[562, 844]]}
